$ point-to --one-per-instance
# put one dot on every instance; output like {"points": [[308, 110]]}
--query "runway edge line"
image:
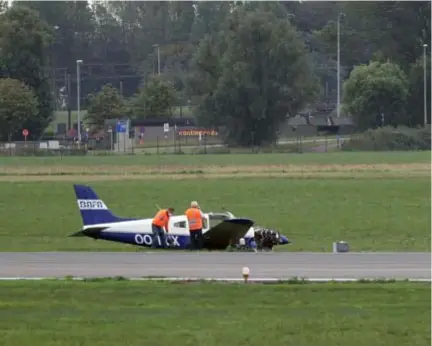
{"points": [[196, 279]]}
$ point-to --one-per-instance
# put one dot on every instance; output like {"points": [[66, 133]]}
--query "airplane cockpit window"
{"points": [[216, 218], [181, 224]]}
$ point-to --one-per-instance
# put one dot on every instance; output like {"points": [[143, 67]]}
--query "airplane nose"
{"points": [[283, 240]]}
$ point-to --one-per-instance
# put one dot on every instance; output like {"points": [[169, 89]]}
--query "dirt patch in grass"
{"points": [[306, 174], [181, 172], [109, 170]]}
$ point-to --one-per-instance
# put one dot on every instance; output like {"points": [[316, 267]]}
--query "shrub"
{"points": [[390, 138], [46, 152]]}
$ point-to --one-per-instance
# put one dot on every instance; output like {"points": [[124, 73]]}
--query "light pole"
{"points": [[340, 16], [424, 86], [53, 63], [78, 63], [158, 56]]}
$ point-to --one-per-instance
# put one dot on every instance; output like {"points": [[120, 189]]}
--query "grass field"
{"points": [[336, 158], [376, 202], [135, 313], [371, 214]]}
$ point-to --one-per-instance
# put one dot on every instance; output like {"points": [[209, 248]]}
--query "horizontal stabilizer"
{"points": [[226, 233]]}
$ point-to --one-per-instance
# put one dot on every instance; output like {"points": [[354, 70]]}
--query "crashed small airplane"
{"points": [[221, 230]]}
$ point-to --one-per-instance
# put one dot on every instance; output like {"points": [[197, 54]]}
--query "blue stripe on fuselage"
{"points": [[145, 239]]}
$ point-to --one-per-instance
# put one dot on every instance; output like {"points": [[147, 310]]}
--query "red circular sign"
{"points": [[25, 132]]}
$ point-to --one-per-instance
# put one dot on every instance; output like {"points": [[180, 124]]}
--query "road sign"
{"points": [[121, 126], [25, 132], [166, 127]]}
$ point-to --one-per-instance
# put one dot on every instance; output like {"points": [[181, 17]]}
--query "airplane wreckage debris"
{"points": [[265, 239]]}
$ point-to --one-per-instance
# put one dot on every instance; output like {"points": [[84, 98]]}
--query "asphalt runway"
{"points": [[217, 265]]}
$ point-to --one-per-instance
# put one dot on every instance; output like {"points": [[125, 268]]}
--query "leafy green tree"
{"points": [[309, 16], [395, 30], [183, 16], [156, 98], [74, 24], [106, 104], [18, 104], [24, 40], [251, 76], [376, 94], [398, 28], [355, 44], [209, 17], [3, 5]]}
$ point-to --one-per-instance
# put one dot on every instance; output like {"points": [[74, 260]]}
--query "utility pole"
{"points": [[340, 16], [78, 63], [158, 56], [53, 73], [424, 86], [69, 108]]}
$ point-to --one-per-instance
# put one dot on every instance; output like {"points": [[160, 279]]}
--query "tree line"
{"points": [[246, 66]]}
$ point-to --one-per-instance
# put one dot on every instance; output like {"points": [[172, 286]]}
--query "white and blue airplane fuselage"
{"points": [[219, 229]]}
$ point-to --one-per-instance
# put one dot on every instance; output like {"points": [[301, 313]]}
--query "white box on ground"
{"points": [[340, 246]]}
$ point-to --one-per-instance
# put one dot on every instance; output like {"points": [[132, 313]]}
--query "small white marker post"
{"points": [[245, 273]]}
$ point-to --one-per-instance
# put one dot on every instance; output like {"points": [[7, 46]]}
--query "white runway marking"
{"points": [[192, 279]]}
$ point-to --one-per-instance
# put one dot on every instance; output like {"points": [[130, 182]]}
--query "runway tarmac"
{"points": [[217, 265]]}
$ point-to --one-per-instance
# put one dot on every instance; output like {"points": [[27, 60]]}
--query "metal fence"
{"points": [[44, 148], [161, 146]]}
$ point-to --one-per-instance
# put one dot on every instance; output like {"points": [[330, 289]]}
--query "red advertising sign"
{"points": [[194, 132]]}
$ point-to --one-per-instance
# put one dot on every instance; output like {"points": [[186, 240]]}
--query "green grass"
{"points": [[136, 313], [227, 159], [371, 214]]}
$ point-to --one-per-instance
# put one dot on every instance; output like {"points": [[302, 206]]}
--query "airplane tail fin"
{"points": [[93, 210]]}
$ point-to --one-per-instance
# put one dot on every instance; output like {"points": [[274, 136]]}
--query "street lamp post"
{"points": [[424, 86], [53, 63], [340, 16], [78, 63], [158, 56]]}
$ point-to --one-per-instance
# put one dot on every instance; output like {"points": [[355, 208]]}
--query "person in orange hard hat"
{"points": [[195, 221], [160, 221]]}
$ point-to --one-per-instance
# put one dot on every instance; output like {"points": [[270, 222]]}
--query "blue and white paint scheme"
{"points": [[220, 229]]}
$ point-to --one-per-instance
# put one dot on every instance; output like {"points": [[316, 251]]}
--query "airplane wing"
{"points": [[226, 233]]}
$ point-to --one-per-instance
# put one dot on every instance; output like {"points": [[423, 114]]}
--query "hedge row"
{"points": [[390, 138], [43, 152]]}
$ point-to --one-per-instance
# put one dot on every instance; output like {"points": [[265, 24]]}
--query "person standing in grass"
{"points": [[160, 221], [195, 221]]}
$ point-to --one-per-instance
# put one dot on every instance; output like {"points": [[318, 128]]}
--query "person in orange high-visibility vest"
{"points": [[160, 221], [195, 216]]}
